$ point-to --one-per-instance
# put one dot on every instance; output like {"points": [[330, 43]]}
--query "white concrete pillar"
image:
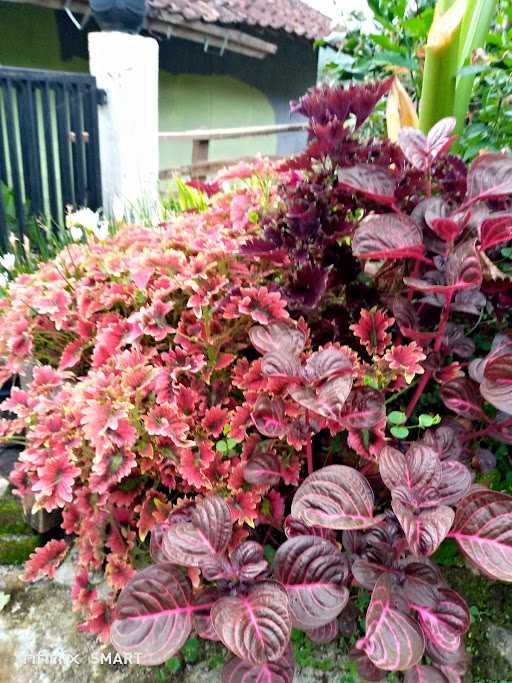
{"points": [[126, 67]]}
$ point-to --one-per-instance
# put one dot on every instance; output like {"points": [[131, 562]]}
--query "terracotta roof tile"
{"points": [[293, 16]]}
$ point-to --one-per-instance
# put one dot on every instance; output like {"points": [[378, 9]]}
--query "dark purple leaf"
{"points": [[155, 543], [452, 664], [281, 364], [494, 373], [277, 337], [387, 236], [424, 529], [483, 460], [424, 674], [421, 150], [393, 641], [461, 395], [326, 364], [153, 614], [444, 441], [363, 409], [347, 621], [366, 668], [455, 341], [324, 634], [207, 534], [375, 182], [483, 530], [456, 481], [463, 271], [366, 572], [308, 285], [238, 671], [248, 561], [495, 230], [336, 497], [263, 468], [294, 527], [268, 416], [490, 176], [255, 627], [314, 573], [201, 618], [419, 469], [327, 400]]}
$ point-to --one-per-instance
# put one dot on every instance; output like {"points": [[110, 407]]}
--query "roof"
{"points": [[293, 16]]}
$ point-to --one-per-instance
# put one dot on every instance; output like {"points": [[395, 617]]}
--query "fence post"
{"points": [[126, 67]]}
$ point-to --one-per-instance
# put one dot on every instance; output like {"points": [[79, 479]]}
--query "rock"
{"points": [[4, 485], [8, 457], [501, 638]]}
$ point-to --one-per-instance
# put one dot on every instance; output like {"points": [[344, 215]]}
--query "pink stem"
{"points": [[309, 447]]}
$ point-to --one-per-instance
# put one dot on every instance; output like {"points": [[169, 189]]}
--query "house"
{"points": [[223, 63]]}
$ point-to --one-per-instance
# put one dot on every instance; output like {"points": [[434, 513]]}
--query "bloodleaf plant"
{"points": [[251, 607]]}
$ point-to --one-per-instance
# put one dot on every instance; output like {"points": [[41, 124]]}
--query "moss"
{"points": [[490, 605], [12, 518], [16, 549]]}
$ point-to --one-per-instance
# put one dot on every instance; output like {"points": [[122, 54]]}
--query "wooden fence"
{"points": [[201, 165]]}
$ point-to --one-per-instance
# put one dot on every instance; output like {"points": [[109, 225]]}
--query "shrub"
{"points": [[239, 388]]}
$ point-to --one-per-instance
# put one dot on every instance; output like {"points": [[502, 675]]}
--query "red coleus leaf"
{"points": [[153, 616], [314, 573], [483, 530], [420, 149], [206, 535], [256, 627], [44, 561], [393, 641], [263, 468], [461, 395], [489, 176], [494, 373], [280, 671], [495, 230], [375, 182], [387, 236], [336, 497], [442, 613], [372, 329]]}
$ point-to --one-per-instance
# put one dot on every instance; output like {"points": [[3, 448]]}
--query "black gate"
{"points": [[49, 146]]}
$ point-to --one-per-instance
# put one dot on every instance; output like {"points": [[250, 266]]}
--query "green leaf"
{"points": [[231, 443], [436, 419], [221, 446], [173, 664], [472, 69], [400, 432], [226, 429], [191, 651], [425, 421], [385, 42], [396, 417], [4, 599], [506, 252]]}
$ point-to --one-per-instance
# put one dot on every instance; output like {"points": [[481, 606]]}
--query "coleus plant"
{"points": [[251, 607]]}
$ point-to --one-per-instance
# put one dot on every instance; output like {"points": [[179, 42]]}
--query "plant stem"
{"points": [[309, 447]]}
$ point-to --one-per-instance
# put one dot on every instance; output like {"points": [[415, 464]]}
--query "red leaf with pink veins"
{"points": [[256, 627], [461, 395], [387, 236], [463, 271], [494, 373], [268, 416], [489, 177], [426, 529], [335, 497], [153, 614], [495, 230], [393, 641], [277, 337], [280, 671], [483, 530], [314, 573], [375, 182], [423, 673], [206, 535], [263, 469], [418, 469]]}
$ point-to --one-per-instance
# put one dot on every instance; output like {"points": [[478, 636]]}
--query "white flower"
{"points": [[3, 280], [84, 218], [76, 233], [8, 261], [101, 230]]}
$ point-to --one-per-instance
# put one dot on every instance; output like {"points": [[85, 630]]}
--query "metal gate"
{"points": [[49, 147]]}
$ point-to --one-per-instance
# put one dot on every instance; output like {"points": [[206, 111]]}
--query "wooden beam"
{"points": [[204, 168], [226, 133]]}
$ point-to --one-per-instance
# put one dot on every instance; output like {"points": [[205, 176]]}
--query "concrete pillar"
{"points": [[126, 67]]}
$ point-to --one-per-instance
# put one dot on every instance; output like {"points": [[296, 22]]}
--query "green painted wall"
{"points": [[29, 38]]}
